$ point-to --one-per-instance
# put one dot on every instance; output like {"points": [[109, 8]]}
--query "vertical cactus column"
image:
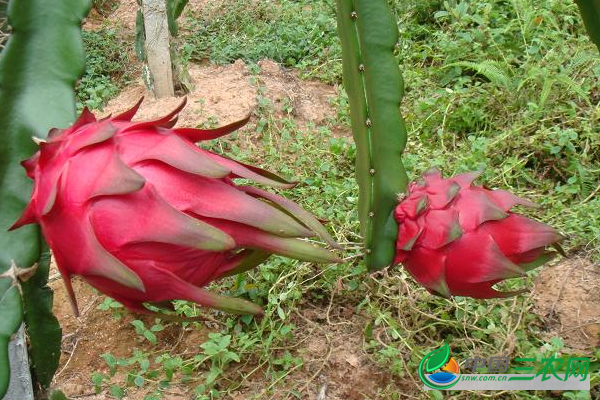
{"points": [[590, 12], [39, 66], [374, 84]]}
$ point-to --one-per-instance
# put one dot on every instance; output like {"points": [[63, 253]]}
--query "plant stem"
{"points": [[372, 78]]}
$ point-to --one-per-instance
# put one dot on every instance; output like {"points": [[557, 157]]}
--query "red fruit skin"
{"points": [[145, 216], [459, 239]]}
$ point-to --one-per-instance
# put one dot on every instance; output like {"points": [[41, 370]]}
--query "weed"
{"points": [[300, 34], [147, 333], [112, 305], [107, 68], [105, 7]]}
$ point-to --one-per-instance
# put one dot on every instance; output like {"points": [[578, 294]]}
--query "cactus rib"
{"points": [[374, 84]]}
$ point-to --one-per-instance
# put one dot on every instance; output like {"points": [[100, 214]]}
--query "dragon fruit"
{"points": [[456, 238], [146, 216]]}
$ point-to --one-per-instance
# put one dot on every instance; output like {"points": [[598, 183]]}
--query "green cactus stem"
{"points": [[590, 11], [39, 66], [372, 79]]}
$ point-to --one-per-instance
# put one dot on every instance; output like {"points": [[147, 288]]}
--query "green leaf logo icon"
{"points": [[437, 358], [434, 361]]}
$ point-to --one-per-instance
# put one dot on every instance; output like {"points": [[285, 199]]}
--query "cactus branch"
{"points": [[374, 84], [42, 60], [590, 12]]}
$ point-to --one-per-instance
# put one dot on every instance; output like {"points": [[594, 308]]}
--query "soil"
{"points": [[123, 13], [329, 340], [566, 296], [226, 94], [97, 332]]}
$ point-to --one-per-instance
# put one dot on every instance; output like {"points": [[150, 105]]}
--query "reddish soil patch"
{"points": [[119, 12], [226, 94], [567, 296], [328, 340], [97, 332]]}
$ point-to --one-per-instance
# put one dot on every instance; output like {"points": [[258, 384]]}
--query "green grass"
{"points": [[299, 34], [511, 86], [107, 68]]}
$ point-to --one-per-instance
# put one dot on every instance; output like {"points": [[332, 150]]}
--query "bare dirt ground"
{"points": [[227, 94], [566, 296], [329, 341]]}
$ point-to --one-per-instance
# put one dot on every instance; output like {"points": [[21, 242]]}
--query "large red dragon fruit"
{"points": [[456, 238], [144, 215]]}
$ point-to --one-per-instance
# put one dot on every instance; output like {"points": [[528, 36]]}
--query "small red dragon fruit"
{"points": [[456, 238], [144, 215]]}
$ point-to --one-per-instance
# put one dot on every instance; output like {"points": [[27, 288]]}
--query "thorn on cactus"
{"points": [[16, 274], [146, 216]]}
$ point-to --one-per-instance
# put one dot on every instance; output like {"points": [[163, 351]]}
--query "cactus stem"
{"points": [[374, 95]]}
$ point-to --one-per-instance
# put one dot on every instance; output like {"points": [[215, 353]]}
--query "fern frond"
{"points": [[494, 71]]}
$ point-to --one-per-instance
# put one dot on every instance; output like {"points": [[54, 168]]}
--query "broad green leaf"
{"points": [[38, 68], [437, 358], [139, 381], [117, 391]]}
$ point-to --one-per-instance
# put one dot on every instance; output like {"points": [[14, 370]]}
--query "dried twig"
{"points": [[573, 328], [69, 360], [591, 196]]}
